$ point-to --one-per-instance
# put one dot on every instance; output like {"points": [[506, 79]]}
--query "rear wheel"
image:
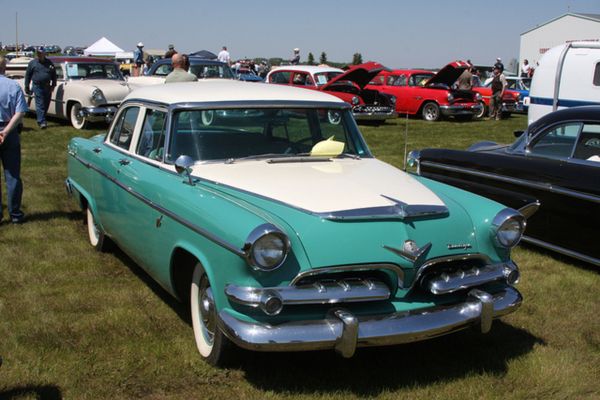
{"points": [[77, 120], [431, 112], [212, 344], [97, 238]]}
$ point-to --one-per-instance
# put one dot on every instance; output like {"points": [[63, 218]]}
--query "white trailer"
{"points": [[568, 76]]}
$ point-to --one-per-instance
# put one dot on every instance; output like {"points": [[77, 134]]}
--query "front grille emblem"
{"points": [[411, 251]]}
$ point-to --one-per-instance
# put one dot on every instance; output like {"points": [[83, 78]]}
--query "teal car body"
{"points": [[264, 209]]}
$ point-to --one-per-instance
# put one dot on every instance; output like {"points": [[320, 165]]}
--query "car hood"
{"points": [[113, 90], [360, 74], [449, 74], [323, 187]]}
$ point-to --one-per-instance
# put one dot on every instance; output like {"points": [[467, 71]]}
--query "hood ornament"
{"points": [[411, 251]]}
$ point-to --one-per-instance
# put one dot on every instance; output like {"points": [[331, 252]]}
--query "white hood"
{"points": [[323, 187]]}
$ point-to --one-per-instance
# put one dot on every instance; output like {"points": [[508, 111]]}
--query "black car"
{"points": [[201, 67], [555, 162]]}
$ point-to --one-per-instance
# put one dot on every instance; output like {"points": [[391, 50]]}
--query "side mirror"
{"points": [[518, 133], [183, 164]]}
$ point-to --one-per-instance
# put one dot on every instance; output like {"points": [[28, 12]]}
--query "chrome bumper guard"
{"points": [[452, 110], [321, 292], [370, 113], [344, 332], [510, 107]]}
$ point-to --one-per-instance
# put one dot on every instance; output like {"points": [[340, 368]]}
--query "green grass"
{"points": [[78, 324]]}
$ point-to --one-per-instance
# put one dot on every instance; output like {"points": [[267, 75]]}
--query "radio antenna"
{"points": [[405, 140]]}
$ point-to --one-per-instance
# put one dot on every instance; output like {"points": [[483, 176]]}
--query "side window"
{"points": [[163, 70], [597, 75], [59, 73], [396, 80], [282, 77], [124, 127], [152, 136], [557, 142], [588, 145], [300, 78], [377, 81]]}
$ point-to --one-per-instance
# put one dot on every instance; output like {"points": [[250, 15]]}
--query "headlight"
{"points": [[393, 100], [508, 227], [98, 96], [266, 248], [450, 97], [355, 101], [517, 96], [477, 96]]}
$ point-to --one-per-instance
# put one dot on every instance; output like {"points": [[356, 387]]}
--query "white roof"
{"points": [[218, 90], [313, 69], [103, 47]]}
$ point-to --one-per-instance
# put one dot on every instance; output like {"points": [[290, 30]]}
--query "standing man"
{"points": [[12, 109], [465, 80], [43, 74], [498, 86], [138, 59], [171, 52], [525, 69], [224, 56], [180, 73], [296, 57]]}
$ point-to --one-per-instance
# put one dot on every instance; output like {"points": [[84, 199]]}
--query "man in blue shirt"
{"points": [[138, 59], [43, 74], [12, 110]]}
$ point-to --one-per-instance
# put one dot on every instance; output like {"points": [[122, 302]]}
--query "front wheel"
{"points": [[431, 112], [483, 111], [212, 344], [77, 120]]}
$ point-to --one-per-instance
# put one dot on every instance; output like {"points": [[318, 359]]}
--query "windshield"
{"points": [[233, 134], [323, 77], [92, 71], [211, 71]]}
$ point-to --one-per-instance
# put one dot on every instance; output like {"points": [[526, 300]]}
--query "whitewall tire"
{"points": [[77, 120], [97, 238]]}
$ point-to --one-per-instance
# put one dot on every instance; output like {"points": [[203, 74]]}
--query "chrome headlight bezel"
{"points": [[450, 97], [506, 221], [355, 100], [259, 237], [98, 96], [478, 96]]}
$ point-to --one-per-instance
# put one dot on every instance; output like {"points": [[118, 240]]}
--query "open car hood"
{"points": [[449, 74], [360, 74]]}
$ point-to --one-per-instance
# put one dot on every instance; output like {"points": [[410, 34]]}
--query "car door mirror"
{"points": [[183, 164]]}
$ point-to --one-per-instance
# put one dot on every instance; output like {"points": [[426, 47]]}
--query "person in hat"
{"points": [[138, 59], [171, 52], [224, 56], [296, 57], [42, 73], [498, 86], [499, 65]]}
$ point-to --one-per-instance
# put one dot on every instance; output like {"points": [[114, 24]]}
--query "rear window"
{"points": [[597, 75]]}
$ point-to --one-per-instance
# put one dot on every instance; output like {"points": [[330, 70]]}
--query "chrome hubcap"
{"points": [[207, 311]]}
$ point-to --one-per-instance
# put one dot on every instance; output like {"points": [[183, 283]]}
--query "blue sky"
{"points": [[395, 33]]}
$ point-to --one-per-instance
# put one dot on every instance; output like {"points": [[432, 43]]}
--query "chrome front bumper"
{"points": [[460, 109], [344, 332], [97, 113], [373, 113]]}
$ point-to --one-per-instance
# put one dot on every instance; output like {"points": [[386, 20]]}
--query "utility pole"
{"points": [[17, 32]]}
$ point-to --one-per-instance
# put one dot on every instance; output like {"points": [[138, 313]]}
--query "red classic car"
{"points": [[367, 104], [429, 94], [510, 101]]}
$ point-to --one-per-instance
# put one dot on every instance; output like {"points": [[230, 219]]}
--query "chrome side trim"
{"points": [[321, 292], [343, 331], [399, 272], [522, 182], [562, 250], [188, 224]]}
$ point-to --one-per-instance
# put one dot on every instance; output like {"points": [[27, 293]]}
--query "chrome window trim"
{"points": [[522, 182], [351, 268], [562, 250], [215, 239]]}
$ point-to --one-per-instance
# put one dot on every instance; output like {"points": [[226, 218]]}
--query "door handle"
{"points": [[97, 150], [124, 161]]}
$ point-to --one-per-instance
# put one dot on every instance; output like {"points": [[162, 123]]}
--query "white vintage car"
{"points": [[87, 89]]}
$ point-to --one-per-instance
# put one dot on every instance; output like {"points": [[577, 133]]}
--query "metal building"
{"points": [[566, 28]]}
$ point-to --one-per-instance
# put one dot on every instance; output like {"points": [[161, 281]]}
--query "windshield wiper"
{"points": [[349, 155], [266, 155]]}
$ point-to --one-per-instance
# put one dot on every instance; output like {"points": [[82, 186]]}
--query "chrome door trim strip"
{"points": [[215, 239], [562, 250], [537, 185]]}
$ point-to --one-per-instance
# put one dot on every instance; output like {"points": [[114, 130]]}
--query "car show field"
{"points": [[80, 324]]}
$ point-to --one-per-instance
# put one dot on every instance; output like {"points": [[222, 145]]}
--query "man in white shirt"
{"points": [[224, 56], [525, 69]]}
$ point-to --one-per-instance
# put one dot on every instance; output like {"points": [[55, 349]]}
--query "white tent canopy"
{"points": [[103, 47]]}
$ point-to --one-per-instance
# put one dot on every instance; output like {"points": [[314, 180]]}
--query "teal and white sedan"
{"points": [[263, 207]]}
